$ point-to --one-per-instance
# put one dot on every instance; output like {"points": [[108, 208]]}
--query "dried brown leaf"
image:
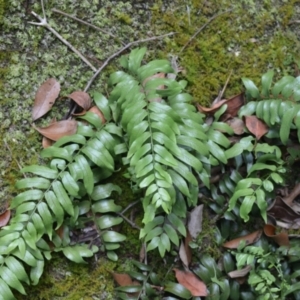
{"points": [[249, 239], [185, 252], [46, 142], [240, 273], [5, 217], [256, 126], [82, 99], [58, 129], [210, 110], [282, 238], [45, 98], [237, 125], [233, 106], [98, 112], [190, 281], [122, 279], [195, 221]]}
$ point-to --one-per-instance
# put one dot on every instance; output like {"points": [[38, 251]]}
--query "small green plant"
{"points": [[154, 131]]}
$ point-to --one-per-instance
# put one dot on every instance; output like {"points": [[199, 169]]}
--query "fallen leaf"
{"points": [[122, 279], [82, 99], [5, 217], [45, 98], [58, 129], [195, 221], [210, 110], [240, 273], [282, 238], [46, 142], [98, 112], [249, 239], [256, 126], [190, 281], [233, 106], [185, 252], [284, 214], [237, 125]]}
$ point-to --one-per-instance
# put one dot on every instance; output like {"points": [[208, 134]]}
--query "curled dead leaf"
{"points": [[195, 221], [58, 129], [46, 142], [233, 106], [5, 217], [249, 239], [210, 110], [282, 238], [45, 98], [185, 252], [82, 99], [256, 126], [122, 279], [190, 281]]}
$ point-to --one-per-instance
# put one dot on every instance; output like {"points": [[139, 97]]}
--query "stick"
{"points": [[202, 27], [43, 22], [119, 52], [86, 23]]}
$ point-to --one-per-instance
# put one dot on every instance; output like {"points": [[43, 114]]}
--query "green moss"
{"points": [[63, 279], [245, 44]]}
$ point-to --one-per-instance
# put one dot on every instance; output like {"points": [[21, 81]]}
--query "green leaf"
{"points": [[33, 182], [73, 254], [93, 119], [108, 221], [153, 67], [6, 293], [180, 183], [105, 206], [268, 185], [17, 268], [26, 196], [104, 191], [88, 179], [279, 85], [62, 197], [74, 138], [41, 171], [234, 151], [147, 181], [246, 207], [286, 122], [248, 109], [55, 206], [70, 184], [172, 234], [113, 237], [135, 59], [261, 166], [11, 279], [46, 217], [178, 290], [266, 81], [217, 152], [112, 255], [25, 207], [237, 194], [102, 104], [177, 223], [56, 152], [36, 272], [251, 87]]}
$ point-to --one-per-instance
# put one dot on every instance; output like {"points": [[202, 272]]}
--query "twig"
{"points": [[133, 225], [86, 23], [43, 22], [119, 52], [202, 27]]}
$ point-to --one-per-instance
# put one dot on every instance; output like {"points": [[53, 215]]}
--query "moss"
{"points": [[246, 44], [63, 279]]}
